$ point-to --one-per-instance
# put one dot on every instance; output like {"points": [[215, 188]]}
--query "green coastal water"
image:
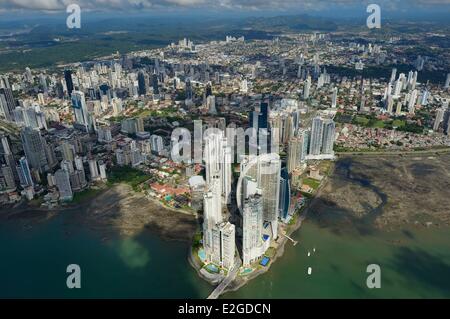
{"points": [[414, 260], [414, 263], [33, 264]]}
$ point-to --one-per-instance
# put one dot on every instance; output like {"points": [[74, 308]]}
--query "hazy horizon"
{"points": [[337, 9]]}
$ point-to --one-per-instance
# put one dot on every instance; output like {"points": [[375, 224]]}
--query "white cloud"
{"points": [[60, 5]]}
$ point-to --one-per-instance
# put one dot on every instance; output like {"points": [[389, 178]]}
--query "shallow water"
{"points": [[414, 261], [33, 264]]}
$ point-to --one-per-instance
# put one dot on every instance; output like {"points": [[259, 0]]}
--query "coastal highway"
{"points": [[226, 281], [431, 151]]}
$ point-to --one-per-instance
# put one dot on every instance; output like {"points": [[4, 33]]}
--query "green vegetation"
{"points": [[371, 121], [307, 195], [378, 124], [411, 127], [117, 118], [270, 252], [398, 123], [181, 96], [36, 202], [314, 184], [196, 242], [128, 175], [293, 220], [85, 195], [361, 120]]}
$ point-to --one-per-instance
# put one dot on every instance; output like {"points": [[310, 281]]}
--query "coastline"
{"points": [[241, 281], [435, 151], [115, 210]]}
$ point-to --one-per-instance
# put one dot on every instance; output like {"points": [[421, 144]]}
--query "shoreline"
{"points": [[431, 151], [115, 210], [283, 241], [241, 281]]}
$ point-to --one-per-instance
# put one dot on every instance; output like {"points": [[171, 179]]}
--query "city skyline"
{"points": [[267, 155]]}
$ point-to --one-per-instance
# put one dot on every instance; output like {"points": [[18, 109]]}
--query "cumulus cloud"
{"points": [[60, 5]]}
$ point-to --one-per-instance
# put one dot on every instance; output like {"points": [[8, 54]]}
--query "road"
{"points": [[228, 279], [396, 153]]}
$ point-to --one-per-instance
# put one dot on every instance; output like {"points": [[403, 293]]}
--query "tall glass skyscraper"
{"points": [[316, 136], [79, 105], [69, 81], [34, 147], [328, 136]]}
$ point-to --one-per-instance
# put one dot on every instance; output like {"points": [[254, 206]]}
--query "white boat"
{"points": [[309, 270], [309, 254], [314, 250]]}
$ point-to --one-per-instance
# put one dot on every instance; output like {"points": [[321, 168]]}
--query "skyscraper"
{"points": [[269, 181], [155, 84], [439, 118], [142, 88], [252, 242], [334, 97], [265, 169], [393, 75], [82, 117], [24, 173], [211, 104], [102, 170], [69, 81], [447, 81], [8, 176], [294, 149], [223, 245], [34, 147], [157, 144], [304, 138], [93, 169], [189, 91], [4, 145], [328, 136], [307, 88], [63, 184], [7, 103], [212, 214], [225, 170], [316, 136], [446, 121], [412, 101], [285, 194], [217, 157], [67, 151], [208, 90], [10, 161], [263, 117], [259, 121]]}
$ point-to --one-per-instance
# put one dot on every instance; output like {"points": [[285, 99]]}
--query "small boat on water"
{"points": [[309, 254], [314, 249], [309, 270]]}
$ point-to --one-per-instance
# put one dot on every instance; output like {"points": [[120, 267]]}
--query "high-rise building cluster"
{"points": [[218, 234]]}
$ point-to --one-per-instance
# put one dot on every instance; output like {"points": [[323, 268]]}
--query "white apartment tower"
{"points": [[224, 245], [252, 242]]}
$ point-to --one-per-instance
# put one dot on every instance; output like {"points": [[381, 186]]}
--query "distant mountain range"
{"points": [[45, 41]]}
